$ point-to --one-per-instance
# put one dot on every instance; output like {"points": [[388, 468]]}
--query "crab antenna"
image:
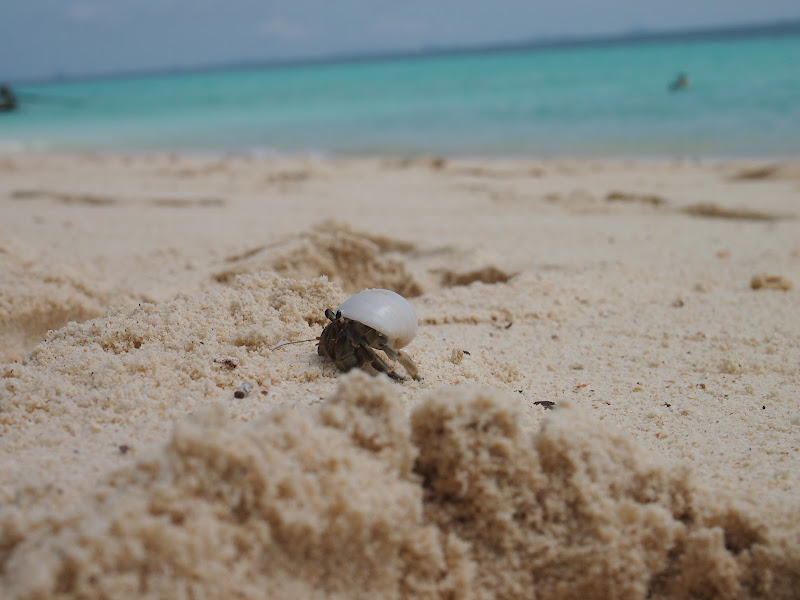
{"points": [[282, 344]]}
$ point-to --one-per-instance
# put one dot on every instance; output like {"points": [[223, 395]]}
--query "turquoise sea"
{"points": [[608, 99]]}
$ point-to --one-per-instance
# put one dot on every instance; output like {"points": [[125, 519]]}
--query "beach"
{"points": [[609, 403]]}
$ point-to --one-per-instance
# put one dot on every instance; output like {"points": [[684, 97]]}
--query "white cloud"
{"points": [[280, 28]]}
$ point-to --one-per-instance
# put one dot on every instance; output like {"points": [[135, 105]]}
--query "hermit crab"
{"points": [[371, 320]]}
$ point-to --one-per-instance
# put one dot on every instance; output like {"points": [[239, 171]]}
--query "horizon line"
{"points": [[780, 27]]}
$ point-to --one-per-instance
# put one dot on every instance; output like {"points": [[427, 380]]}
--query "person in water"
{"points": [[681, 82], [8, 101]]}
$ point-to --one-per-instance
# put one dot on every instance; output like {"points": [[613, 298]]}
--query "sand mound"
{"points": [[358, 260], [487, 274], [353, 500], [768, 281], [116, 381], [35, 298], [355, 260], [636, 198], [774, 171], [576, 510], [186, 345], [713, 211]]}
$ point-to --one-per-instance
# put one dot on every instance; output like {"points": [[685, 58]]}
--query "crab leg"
{"points": [[401, 357], [369, 355]]}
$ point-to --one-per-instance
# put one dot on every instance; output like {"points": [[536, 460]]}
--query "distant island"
{"points": [[772, 29], [638, 36]]}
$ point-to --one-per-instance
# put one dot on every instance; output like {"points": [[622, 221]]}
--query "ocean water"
{"points": [[744, 100]]}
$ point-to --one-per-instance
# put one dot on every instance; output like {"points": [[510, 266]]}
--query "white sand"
{"points": [[619, 290]]}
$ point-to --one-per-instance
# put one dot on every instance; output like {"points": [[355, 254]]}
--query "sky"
{"points": [[49, 38]]}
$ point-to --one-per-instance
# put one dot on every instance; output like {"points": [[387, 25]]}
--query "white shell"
{"points": [[385, 311]]}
